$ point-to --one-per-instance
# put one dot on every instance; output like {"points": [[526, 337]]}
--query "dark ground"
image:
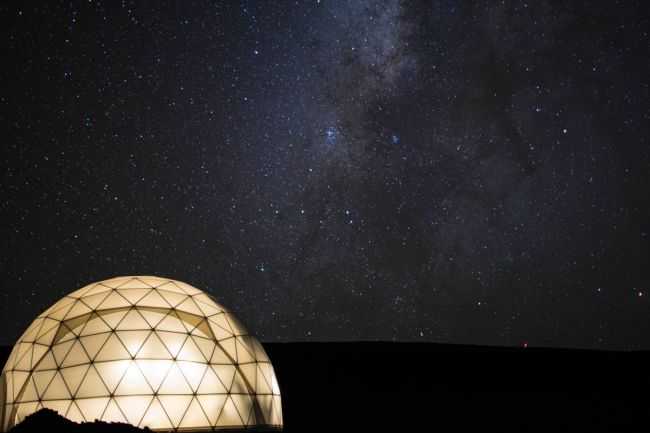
{"points": [[430, 387], [49, 420]]}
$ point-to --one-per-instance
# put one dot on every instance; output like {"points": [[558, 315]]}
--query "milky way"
{"points": [[338, 169]]}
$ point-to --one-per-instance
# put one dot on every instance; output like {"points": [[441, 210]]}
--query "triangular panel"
{"points": [[229, 415], [93, 301], [29, 392], [60, 351], [175, 406], [92, 408], [194, 416], [239, 385], [250, 374], [202, 329], [153, 299], [113, 317], [173, 299], [92, 385], [193, 372], [229, 346], [244, 405], [245, 353], [134, 283], [133, 383], [153, 348], [212, 405], [205, 346], [133, 320], [57, 389], [38, 352], [151, 280], [187, 288], [220, 357], [114, 300], [264, 385], [189, 306], [112, 350], [153, 316], [174, 382], [93, 343], [172, 323], [171, 287], [154, 370], [208, 309], [62, 310], [173, 341], [98, 288], [78, 309], [155, 417], [76, 356], [48, 336], [42, 379], [112, 372], [47, 362], [74, 414], [133, 407], [211, 384], [73, 376], [190, 351], [133, 295], [113, 413], [95, 325], [225, 373], [133, 340]]}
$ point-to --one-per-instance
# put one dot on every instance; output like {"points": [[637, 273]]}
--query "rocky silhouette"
{"points": [[47, 420]]}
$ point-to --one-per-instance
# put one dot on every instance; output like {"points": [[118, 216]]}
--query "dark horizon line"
{"points": [[445, 347]]}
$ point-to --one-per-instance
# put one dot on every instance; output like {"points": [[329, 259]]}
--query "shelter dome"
{"points": [[143, 350]]}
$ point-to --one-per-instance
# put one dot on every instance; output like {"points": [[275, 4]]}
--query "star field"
{"points": [[337, 170]]}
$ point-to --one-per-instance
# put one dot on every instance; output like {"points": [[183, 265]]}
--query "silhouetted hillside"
{"points": [[49, 420], [339, 386]]}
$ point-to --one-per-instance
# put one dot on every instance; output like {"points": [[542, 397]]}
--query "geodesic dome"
{"points": [[143, 350]]}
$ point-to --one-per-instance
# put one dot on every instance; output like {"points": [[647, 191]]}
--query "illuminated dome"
{"points": [[147, 351]]}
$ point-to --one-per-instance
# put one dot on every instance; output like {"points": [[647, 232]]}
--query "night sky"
{"points": [[336, 170]]}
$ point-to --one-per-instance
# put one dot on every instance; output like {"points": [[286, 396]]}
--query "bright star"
{"points": [[331, 134]]}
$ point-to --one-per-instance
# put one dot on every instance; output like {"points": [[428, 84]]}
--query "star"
{"points": [[331, 135]]}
